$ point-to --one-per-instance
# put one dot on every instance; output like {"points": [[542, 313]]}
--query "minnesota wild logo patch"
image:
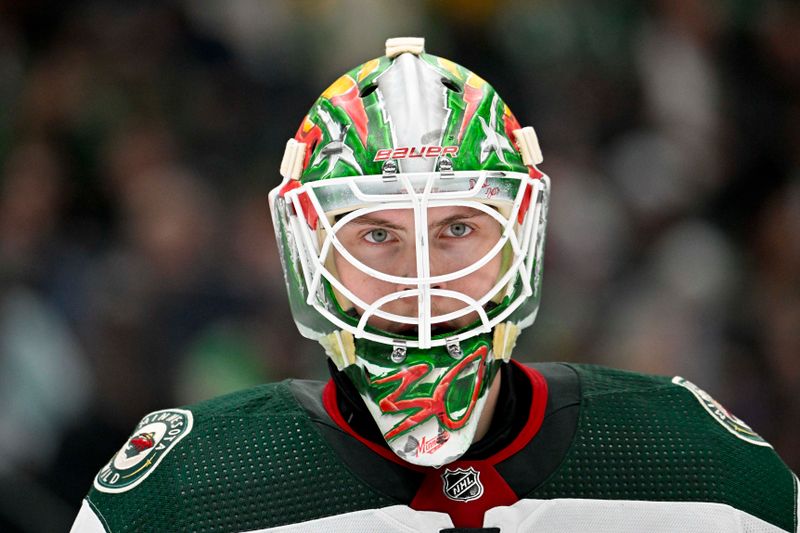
{"points": [[727, 419], [151, 441]]}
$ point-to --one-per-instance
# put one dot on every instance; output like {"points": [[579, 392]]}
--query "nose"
{"points": [[407, 267], [440, 264]]}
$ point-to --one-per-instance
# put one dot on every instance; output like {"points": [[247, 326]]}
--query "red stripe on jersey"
{"points": [[535, 415]]}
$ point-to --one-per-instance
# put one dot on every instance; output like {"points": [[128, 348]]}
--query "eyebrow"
{"points": [[367, 220], [458, 217]]}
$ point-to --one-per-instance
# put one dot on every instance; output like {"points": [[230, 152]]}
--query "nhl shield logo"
{"points": [[462, 485]]}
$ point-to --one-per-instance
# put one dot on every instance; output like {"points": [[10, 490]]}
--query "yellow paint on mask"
{"points": [[339, 87], [368, 68], [450, 67], [475, 81]]}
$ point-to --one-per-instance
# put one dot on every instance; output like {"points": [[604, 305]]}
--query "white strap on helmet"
{"points": [[292, 163], [529, 146], [399, 45]]}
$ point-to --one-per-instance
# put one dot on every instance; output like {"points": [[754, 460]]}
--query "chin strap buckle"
{"points": [[446, 167], [389, 170]]}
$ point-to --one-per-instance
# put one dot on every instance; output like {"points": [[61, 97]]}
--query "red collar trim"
{"points": [[535, 418]]}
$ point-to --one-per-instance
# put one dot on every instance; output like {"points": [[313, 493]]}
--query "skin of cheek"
{"points": [[364, 287]]}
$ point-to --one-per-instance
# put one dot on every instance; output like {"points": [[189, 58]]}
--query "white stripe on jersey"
{"points": [[623, 516], [394, 519], [797, 504], [529, 516], [87, 521], [554, 516]]}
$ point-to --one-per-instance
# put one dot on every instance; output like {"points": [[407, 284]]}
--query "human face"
{"points": [[386, 241]]}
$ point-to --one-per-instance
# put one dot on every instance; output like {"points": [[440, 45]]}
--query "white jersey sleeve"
{"points": [[87, 521]]}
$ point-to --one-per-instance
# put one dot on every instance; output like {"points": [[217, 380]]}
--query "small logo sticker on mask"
{"points": [[426, 445], [462, 485]]}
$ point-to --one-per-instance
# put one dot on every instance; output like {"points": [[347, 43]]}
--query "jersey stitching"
{"points": [[282, 389], [98, 514], [657, 389], [299, 414], [655, 386], [318, 417], [584, 398]]}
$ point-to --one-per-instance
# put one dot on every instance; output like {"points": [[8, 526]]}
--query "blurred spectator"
{"points": [[31, 197]]}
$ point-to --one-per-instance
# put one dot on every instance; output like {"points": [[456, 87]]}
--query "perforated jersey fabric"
{"points": [[644, 438], [261, 460], [253, 459]]}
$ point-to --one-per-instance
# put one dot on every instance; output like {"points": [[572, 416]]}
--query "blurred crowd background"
{"points": [[138, 141]]}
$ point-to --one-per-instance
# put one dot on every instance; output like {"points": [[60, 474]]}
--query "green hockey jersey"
{"points": [[597, 450]]}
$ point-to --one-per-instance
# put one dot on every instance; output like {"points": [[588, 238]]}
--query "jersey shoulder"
{"points": [[247, 460], [680, 401], [656, 438]]}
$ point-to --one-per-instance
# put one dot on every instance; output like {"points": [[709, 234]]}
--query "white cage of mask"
{"points": [[340, 200]]}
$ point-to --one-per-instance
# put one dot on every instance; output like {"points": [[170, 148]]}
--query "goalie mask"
{"points": [[411, 223]]}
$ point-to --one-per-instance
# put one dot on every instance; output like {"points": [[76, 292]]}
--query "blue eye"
{"points": [[459, 229], [377, 236]]}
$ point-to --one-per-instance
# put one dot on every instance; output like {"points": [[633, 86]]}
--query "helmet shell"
{"points": [[407, 102], [413, 109]]}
